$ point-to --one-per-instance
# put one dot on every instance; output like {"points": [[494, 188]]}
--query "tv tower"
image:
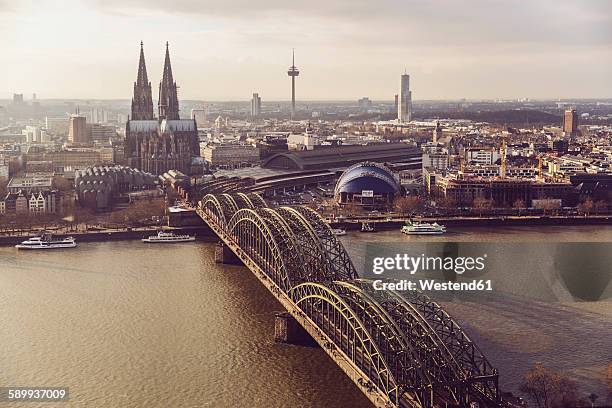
{"points": [[293, 72]]}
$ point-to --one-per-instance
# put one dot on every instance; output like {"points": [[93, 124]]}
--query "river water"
{"points": [[124, 324]]}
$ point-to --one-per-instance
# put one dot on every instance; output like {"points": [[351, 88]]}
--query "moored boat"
{"points": [[338, 232], [46, 240], [168, 238], [423, 228]]}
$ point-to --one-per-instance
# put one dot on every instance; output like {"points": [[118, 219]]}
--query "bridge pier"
{"points": [[288, 330], [224, 255]]}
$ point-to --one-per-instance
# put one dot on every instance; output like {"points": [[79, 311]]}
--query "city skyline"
{"points": [[347, 49]]}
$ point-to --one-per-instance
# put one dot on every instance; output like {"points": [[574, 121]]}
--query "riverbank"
{"points": [[202, 233], [499, 221]]}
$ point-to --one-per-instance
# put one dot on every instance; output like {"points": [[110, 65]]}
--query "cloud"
{"points": [[344, 48], [431, 22]]}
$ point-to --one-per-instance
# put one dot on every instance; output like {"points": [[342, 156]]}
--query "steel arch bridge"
{"points": [[400, 350]]}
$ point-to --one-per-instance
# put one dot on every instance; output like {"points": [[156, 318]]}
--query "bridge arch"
{"points": [[256, 200], [261, 242], [244, 201], [401, 355], [344, 326], [318, 266], [335, 251], [212, 205]]}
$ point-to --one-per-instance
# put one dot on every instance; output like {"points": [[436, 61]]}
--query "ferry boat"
{"points": [[168, 238], [367, 227], [338, 232], [423, 228], [46, 240]]}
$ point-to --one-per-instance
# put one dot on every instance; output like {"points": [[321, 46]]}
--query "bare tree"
{"points": [[409, 204], [519, 205], [549, 389], [586, 206], [62, 184], [600, 206], [482, 204]]}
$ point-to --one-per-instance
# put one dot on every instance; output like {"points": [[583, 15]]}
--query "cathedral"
{"points": [[156, 145]]}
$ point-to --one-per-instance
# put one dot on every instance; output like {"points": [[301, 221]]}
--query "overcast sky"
{"points": [[345, 49]]}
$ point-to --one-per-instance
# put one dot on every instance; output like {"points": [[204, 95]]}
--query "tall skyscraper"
{"points": [[404, 103], [77, 130], [293, 72], [255, 106], [162, 144], [570, 122]]}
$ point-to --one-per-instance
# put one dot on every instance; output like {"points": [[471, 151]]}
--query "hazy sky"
{"points": [[345, 49]]}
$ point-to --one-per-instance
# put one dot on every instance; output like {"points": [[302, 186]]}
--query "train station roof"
{"points": [[341, 156]]}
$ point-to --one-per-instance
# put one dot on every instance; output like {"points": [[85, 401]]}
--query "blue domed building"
{"points": [[367, 184]]}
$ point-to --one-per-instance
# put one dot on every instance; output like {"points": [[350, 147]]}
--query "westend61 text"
{"points": [[431, 285]]}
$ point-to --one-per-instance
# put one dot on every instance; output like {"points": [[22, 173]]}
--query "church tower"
{"points": [[168, 98], [142, 102], [162, 144]]}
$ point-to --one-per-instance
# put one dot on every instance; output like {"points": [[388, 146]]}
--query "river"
{"points": [[124, 324]]}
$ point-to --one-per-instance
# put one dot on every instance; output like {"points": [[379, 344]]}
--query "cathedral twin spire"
{"points": [[142, 103]]}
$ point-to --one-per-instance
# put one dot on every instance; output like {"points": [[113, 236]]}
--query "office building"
{"points": [[77, 130], [404, 103], [255, 106], [32, 134], [570, 122], [30, 184], [230, 155], [481, 155], [101, 133]]}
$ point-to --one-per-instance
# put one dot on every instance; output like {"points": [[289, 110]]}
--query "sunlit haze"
{"points": [[345, 49]]}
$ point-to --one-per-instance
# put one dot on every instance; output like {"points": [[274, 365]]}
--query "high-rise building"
{"points": [[570, 122], [364, 103], [77, 130], [18, 99], [293, 72], [255, 106], [99, 115], [101, 133], [162, 144], [404, 103], [32, 134]]}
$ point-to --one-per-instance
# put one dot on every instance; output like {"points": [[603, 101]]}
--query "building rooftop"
{"points": [[341, 156]]}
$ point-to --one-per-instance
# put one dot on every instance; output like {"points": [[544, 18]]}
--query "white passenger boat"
{"points": [[339, 232], [46, 240], [423, 228], [168, 238]]}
